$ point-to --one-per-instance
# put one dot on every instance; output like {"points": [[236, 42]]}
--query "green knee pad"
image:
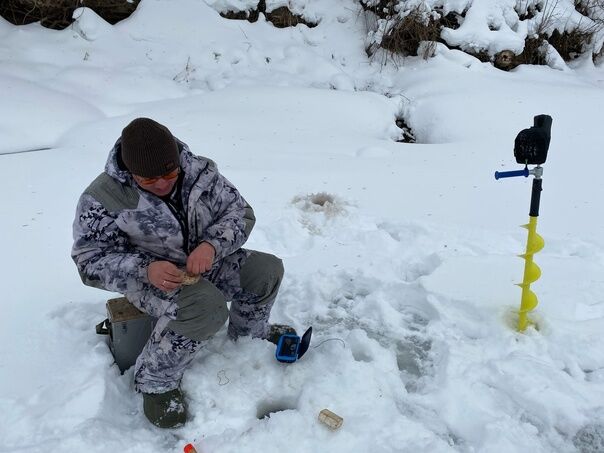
{"points": [[202, 311]]}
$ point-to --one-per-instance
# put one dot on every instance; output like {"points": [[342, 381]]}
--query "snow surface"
{"points": [[401, 256]]}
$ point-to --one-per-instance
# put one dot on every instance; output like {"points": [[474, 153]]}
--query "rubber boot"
{"points": [[165, 410], [276, 330]]}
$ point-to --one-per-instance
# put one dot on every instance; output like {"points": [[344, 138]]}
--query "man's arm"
{"points": [[102, 253], [233, 218]]}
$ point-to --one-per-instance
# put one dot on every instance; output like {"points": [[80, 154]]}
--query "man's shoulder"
{"points": [[200, 168], [205, 163], [112, 194], [195, 162]]}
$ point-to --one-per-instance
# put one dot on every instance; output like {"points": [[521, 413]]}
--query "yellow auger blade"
{"points": [[534, 243], [529, 301], [532, 272], [523, 322]]}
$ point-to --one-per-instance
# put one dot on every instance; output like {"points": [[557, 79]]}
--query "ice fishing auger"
{"points": [[530, 148]]}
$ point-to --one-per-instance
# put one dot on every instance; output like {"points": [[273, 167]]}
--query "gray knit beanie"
{"points": [[149, 149]]}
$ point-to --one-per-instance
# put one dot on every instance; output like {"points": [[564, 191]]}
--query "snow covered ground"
{"points": [[401, 255]]}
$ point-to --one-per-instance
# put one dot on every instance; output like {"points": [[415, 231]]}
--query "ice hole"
{"points": [[266, 408], [321, 198], [324, 202]]}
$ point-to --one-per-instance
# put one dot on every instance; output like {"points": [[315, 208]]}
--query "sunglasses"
{"points": [[168, 176]]}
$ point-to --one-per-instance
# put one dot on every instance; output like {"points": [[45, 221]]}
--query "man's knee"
{"points": [[261, 274], [202, 311]]}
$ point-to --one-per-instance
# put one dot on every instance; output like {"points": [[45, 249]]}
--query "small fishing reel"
{"points": [[291, 347]]}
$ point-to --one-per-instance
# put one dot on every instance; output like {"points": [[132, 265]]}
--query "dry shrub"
{"points": [[384, 9], [406, 34], [250, 16], [533, 52], [570, 44], [57, 14], [594, 9], [482, 55], [402, 35], [281, 17], [530, 13], [583, 7], [451, 20]]}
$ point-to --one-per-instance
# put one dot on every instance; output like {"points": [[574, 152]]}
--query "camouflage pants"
{"points": [[251, 287]]}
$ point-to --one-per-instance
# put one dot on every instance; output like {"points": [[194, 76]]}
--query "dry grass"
{"points": [[570, 44], [413, 34], [281, 17], [533, 52], [406, 34], [57, 14], [250, 16], [384, 9], [594, 9]]}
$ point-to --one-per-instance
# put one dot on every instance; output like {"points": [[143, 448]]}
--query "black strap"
{"points": [[102, 328]]}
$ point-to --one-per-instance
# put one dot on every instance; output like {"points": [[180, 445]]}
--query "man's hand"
{"points": [[201, 259], [164, 275]]}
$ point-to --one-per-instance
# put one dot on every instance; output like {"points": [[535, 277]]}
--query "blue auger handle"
{"points": [[511, 174]]}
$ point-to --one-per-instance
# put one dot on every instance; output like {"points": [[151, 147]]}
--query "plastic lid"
{"points": [[305, 342]]}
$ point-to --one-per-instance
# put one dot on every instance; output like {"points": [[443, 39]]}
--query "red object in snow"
{"points": [[189, 448]]}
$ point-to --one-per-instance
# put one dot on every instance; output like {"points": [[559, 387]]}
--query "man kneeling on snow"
{"points": [[156, 212]]}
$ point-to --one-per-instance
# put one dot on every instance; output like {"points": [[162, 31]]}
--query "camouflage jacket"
{"points": [[119, 228]]}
